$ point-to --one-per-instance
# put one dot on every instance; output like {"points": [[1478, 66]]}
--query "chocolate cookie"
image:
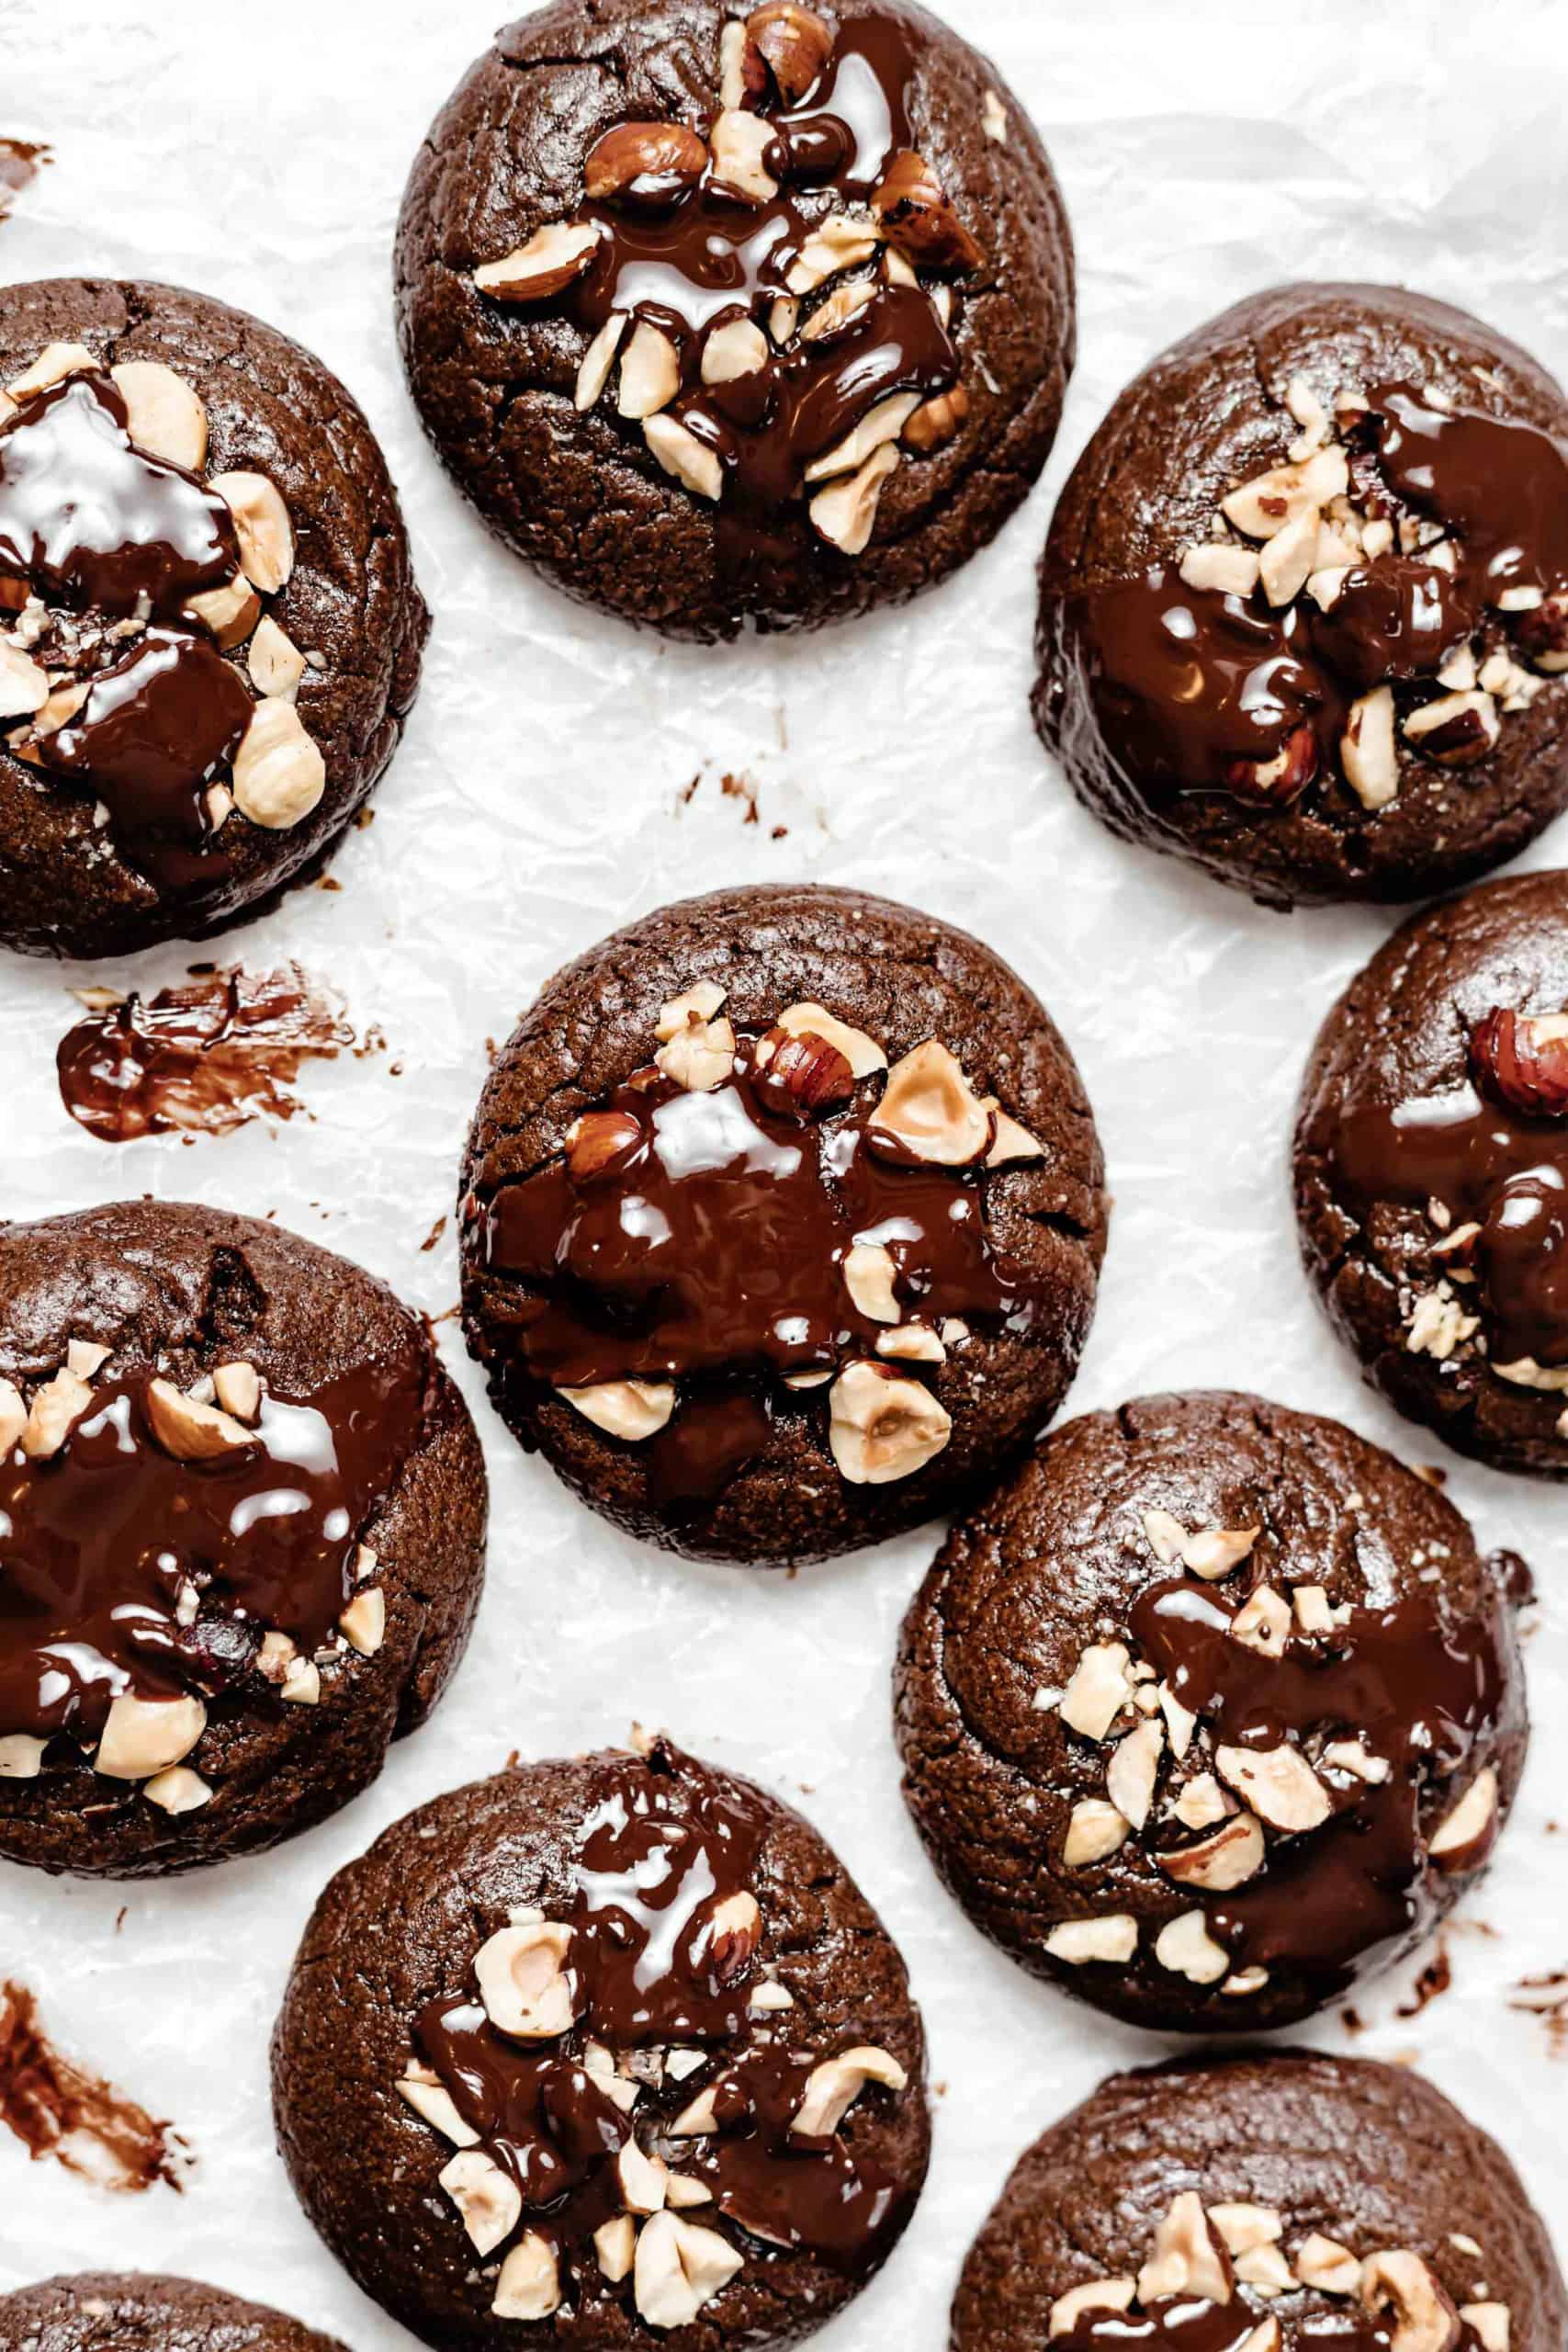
{"points": [[99, 2311], [1278, 2204], [241, 1536], [1305, 605], [209, 631], [721, 317], [781, 1221], [1211, 1710], [1432, 1172], [619, 2049]]}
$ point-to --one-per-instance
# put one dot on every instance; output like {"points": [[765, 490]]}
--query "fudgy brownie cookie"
{"points": [[100, 2312], [1281, 2204], [1212, 1710], [611, 2052], [782, 1222], [1304, 604], [1431, 1172], [241, 1536], [209, 631], [719, 316]]}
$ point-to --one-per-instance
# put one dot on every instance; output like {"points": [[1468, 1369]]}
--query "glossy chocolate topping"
{"points": [[1418, 1697], [711, 1252], [666, 1846], [690, 258], [98, 1542], [1188, 682], [116, 543], [204, 1058], [1194, 2324], [1488, 1165]]}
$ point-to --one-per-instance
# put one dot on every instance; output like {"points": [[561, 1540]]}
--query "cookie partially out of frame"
{"points": [[243, 1512], [136, 2312], [722, 316], [209, 631], [1304, 606], [781, 1221], [1263, 2205]]}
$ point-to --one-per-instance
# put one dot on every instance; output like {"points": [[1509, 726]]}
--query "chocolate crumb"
{"points": [[57, 2109]]}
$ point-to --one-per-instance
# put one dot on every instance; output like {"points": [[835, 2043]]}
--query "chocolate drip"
{"points": [[712, 1249], [1189, 2325], [666, 1844], [1187, 681], [202, 1058], [156, 726], [1490, 1166], [95, 1543], [1418, 1696]]}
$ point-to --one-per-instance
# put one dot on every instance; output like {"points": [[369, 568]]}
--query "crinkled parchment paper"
{"points": [[546, 794]]}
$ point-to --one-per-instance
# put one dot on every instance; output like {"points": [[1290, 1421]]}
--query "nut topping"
{"points": [[1134, 1771], [1100, 1687], [163, 417], [740, 143], [529, 2284], [1276, 1782], [650, 374], [189, 1431], [1217, 1550], [633, 1409], [869, 1275], [845, 514], [1096, 1831], [681, 454], [279, 774], [1100, 2295], [700, 1057], [1079, 1942], [884, 423], [437, 2106], [679, 2270], [736, 1930], [1456, 731], [600, 1144], [1263, 1624], [1524, 1060], [53, 364], [1009, 1142], [261, 526], [1463, 1839], [527, 1989], [614, 2245], [731, 352], [833, 2088], [276, 662], [645, 161], [24, 687], [803, 1073], [883, 1426], [919, 218], [794, 44], [229, 613], [143, 1736], [1186, 1949], [1232, 1855], [1186, 2259], [936, 422], [1490, 2322], [177, 1791], [1367, 750], [364, 1622], [552, 258], [1401, 2283], [21, 1757], [690, 1010], [863, 1053], [487, 2198], [1322, 2262], [929, 1107], [56, 1407]]}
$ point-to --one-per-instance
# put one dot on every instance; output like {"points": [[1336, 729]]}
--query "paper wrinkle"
{"points": [[540, 801]]}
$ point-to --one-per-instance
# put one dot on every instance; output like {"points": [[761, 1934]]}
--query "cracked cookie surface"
{"points": [[104, 2312]]}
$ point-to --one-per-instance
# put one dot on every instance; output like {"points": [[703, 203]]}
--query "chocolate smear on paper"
{"points": [[56, 2108]]}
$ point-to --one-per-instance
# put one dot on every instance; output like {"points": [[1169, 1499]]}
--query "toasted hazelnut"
{"points": [[178, 1790], [53, 364], [1100, 1688], [1165, 1536], [882, 424], [1367, 752], [1542, 635], [803, 1073], [1322, 2262], [163, 417], [769, 2000], [651, 373], [1523, 1060], [645, 161], [1134, 1771], [487, 2198], [679, 2270], [189, 1431], [833, 2088], [552, 258], [229, 613], [56, 1407], [1186, 1949], [598, 360], [1202, 1803], [1401, 2283], [633, 1409], [614, 2248], [1438, 1325], [681, 454], [1227, 570], [1283, 778], [919, 218], [1187, 2260], [1276, 1782], [936, 422], [1096, 1830], [85, 1358], [794, 43], [1009, 1142], [682, 2192], [698, 2120], [994, 118], [24, 687], [301, 1686], [783, 316], [1215, 1551], [733, 351], [641, 2179], [1289, 558], [1233, 1854], [1263, 1623], [883, 1427], [1078, 1943], [1265, 505], [527, 1988], [363, 1623], [1312, 1609], [143, 1736], [911, 1343], [842, 241], [1099, 2295], [424, 2092], [601, 1144], [276, 662], [843, 306], [262, 526], [238, 1390], [699, 1059], [863, 1053], [689, 1011], [279, 774], [1490, 2324], [742, 75], [529, 2284], [869, 1276], [1456, 731], [931, 1108], [1181, 1723], [740, 143], [62, 705], [735, 1930], [1353, 1756], [21, 1756], [1463, 1839], [1264, 2269]]}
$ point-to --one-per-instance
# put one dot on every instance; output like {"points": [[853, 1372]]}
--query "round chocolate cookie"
{"points": [[1431, 1172], [103, 2311], [1280, 2204], [1304, 604], [781, 1221], [1215, 1708], [720, 316], [209, 631], [619, 2049], [241, 1536]]}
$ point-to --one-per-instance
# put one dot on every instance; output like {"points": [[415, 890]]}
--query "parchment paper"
{"points": [[544, 796]]}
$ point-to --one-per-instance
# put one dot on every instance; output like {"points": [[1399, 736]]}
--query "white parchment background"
{"points": [[540, 800]]}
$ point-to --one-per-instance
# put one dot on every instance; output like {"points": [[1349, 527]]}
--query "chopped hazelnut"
{"points": [[918, 217], [845, 513], [937, 422], [692, 1010], [681, 455], [731, 352], [177, 1790], [53, 364], [863, 1053], [435, 2105], [1266, 506], [1096, 1830], [699, 1059], [21, 1756], [632, 1410], [1367, 750], [364, 1622], [597, 361], [929, 1107], [1228, 1859], [1490, 2324], [1202, 1803], [24, 687], [56, 1407], [552, 258], [1216, 1551], [1263, 1624], [884, 423], [262, 526], [641, 2179], [527, 1988], [1276, 1782], [740, 142], [1401, 2283], [1322, 2262], [279, 774], [189, 1431], [276, 662], [884, 1427], [651, 373], [1100, 1689], [841, 308], [1463, 1839], [1229, 570], [238, 1390], [679, 2270], [229, 615], [1099, 2295], [1079, 1942], [1241, 2227], [529, 2284], [163, 417], [659, 160], [842, 241], [1187, 2261], [615, 2247], [1186, 1949], [794, 44], [1134, 1769], [833, 2088], [869, 1276], [145, 1737], [487, 2198]]}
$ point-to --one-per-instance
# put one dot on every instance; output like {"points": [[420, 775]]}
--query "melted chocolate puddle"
{"points": [[202, 1059], [21, 160], [57, 2109]]}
